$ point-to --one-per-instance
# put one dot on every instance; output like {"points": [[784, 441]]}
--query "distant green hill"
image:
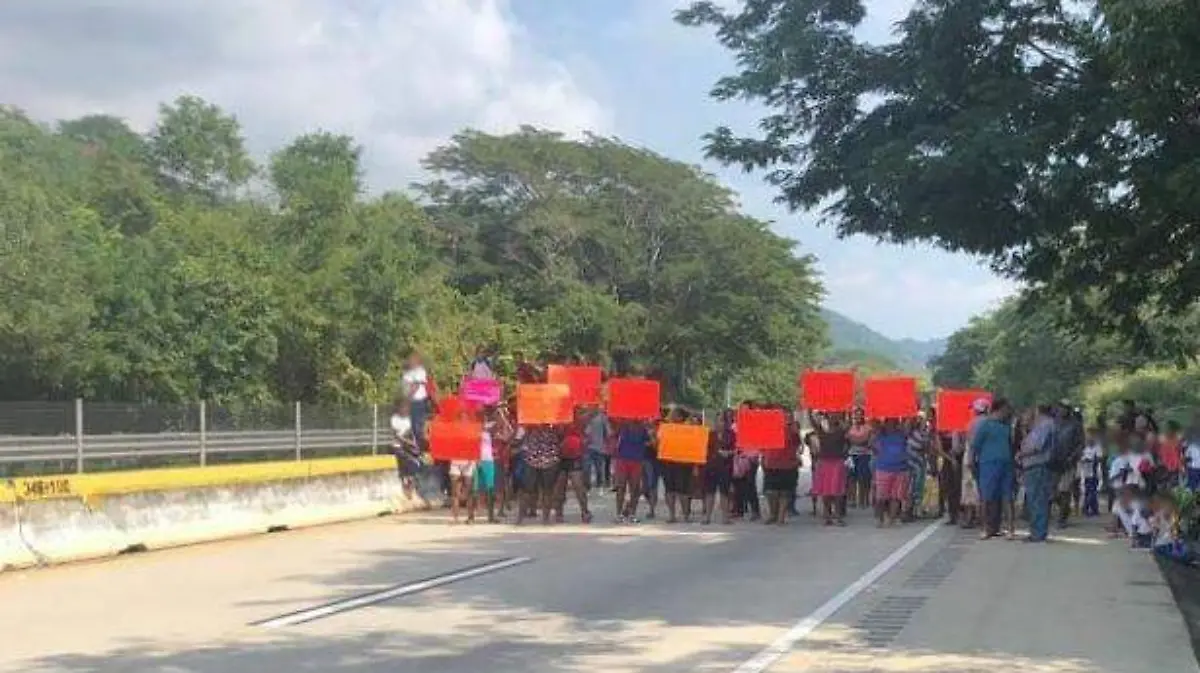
{"points": [[854, 343]]}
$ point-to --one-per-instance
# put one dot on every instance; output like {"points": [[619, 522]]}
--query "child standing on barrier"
{"points": [[405, 448]]}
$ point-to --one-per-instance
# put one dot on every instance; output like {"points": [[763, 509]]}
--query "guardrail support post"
{"points": [[374, 429], [79, 435], [203, 433], [299, 451]]}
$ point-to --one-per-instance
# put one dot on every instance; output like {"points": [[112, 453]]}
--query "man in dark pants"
{"points": [[949, 479], [1069, 435]]}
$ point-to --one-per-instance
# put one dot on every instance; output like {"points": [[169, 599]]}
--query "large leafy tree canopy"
{"points": [[147, 267], [1029, 356], [1058, 139]]}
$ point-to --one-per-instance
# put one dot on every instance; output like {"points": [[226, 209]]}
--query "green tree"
{"points": [[1056, 139], [199, 148], [1029, 356], [133, 268], [581, 232], [966, 350], [192, 315], [54, 254]]}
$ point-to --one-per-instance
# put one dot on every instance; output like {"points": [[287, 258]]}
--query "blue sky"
{"points": [[401, 76], [654, 75]]}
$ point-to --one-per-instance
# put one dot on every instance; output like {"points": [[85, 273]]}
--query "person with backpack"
{"points": [[1069, 441]]}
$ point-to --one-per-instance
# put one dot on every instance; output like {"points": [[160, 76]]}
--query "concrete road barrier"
{"points": [[13, 551], [70, 518]]}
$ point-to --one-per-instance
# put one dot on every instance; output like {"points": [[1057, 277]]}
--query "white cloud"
{"points": [[399, 76]]}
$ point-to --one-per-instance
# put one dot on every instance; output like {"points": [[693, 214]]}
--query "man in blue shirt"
{"points": [[1035, 455], [991, 445]]}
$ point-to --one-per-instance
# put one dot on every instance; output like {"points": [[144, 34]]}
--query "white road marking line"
{"points": [[372, 598], [803, 628]]}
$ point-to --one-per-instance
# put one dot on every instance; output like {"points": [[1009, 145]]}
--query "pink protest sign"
{"points": [[481, 391]]}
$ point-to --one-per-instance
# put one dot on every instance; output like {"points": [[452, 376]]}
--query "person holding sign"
{"points": [[462, 487], [858, 437], [780, 474], [633, 446], [718, 473], [489, 474], [540, 452], [829, 468], [891, 472], [570, 471], [677, 475]]}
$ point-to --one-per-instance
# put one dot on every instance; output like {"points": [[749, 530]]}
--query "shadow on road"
{"points": [[597, 598]]}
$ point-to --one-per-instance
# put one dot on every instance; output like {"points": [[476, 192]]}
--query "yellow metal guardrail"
{"points": [[136, 481]]}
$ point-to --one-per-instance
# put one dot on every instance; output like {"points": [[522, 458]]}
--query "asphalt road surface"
{"points": [[414, 593]]}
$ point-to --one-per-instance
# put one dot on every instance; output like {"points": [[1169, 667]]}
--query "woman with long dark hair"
{"points": [[829, 469]]}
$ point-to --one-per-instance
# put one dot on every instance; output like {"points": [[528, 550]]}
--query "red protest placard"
{"points": [[543, 404], [455, 440], [827, 391], [451, 407], [634, 399], [583, 380], [761, 430], [683, 443], [891, 397], [954, 411]]}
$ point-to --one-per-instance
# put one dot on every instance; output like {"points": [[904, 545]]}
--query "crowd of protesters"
{"points": [[1005, 467]]}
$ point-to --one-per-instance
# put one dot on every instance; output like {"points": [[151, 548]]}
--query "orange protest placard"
{"points": [[634, 399], [683, 443], [761, 430], [954, 411], [827, 391], [891, 397], [543, 404], [455, 439], [583, 380]]}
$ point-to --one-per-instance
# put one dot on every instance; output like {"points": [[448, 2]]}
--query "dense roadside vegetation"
{"points": [[1059, 141], [1032, 354], [170, 266]]}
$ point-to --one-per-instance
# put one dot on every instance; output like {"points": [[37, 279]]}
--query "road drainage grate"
{"points": [[885, 621]]}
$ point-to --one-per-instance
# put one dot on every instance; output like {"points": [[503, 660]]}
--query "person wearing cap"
{"points": [[990, 444], [1068, 432], [967, 467]]}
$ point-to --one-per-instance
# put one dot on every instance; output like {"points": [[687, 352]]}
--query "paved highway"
{"points": [[382, 595]]}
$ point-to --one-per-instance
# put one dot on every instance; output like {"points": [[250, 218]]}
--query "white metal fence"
{"points": [[79, 436]]}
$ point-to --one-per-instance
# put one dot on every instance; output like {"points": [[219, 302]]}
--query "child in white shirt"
{"points": [[1127, 515], [1162, 521], [1130, 468], [1091, 465], [405, 447], [1191, 459]]}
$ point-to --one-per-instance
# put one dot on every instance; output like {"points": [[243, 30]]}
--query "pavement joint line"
{"points": [[805, 627], [375, 597]]}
